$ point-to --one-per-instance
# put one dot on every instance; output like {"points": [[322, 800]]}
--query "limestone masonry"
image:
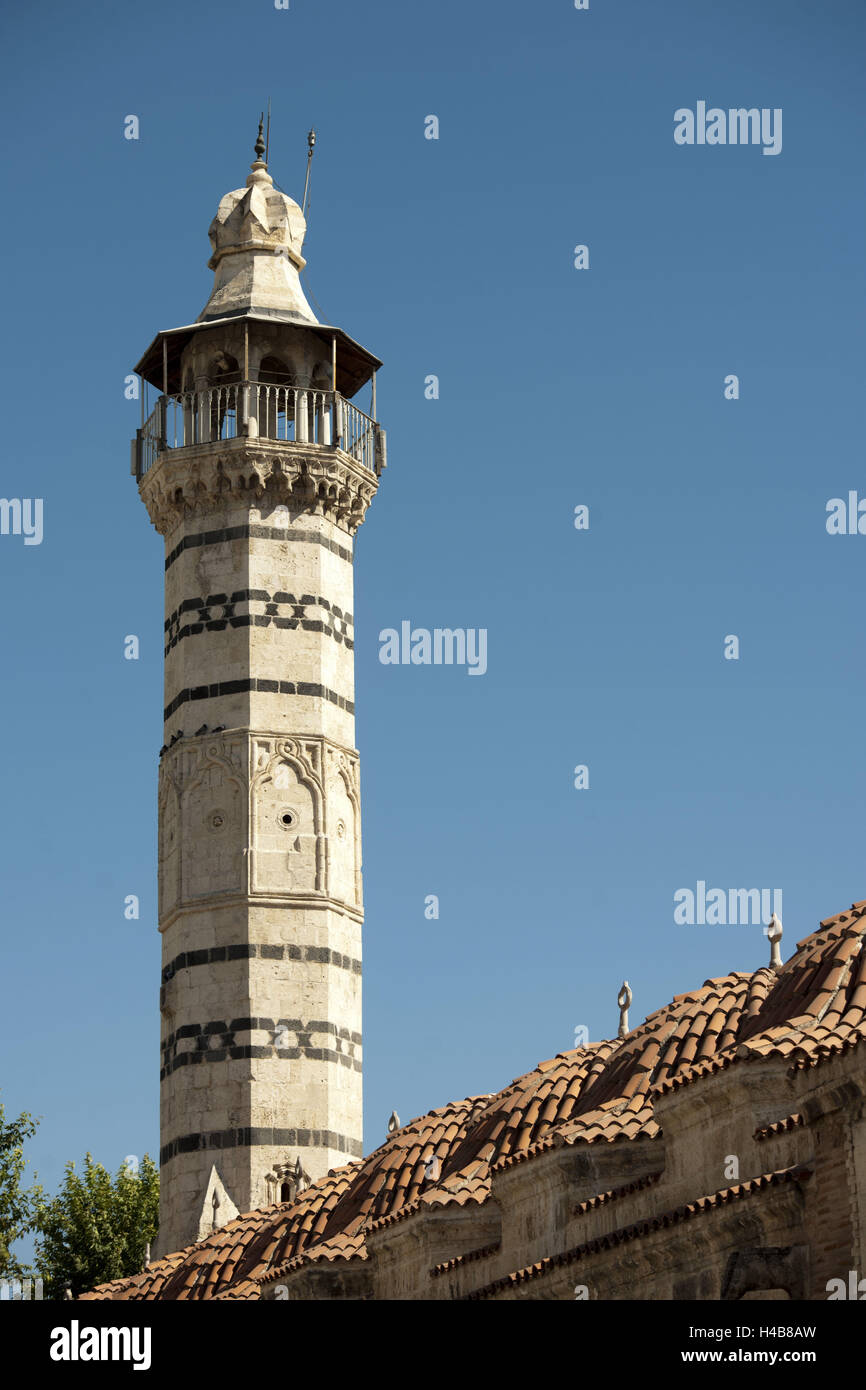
{"points": [[257, 470]]}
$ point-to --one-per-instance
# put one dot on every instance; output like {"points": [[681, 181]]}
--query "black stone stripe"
{"points": [[206, 1034], [259, 620], [219, 1028], [252, 1138], [265, 533], [211, 692], [250, 1051], [319, 955]]}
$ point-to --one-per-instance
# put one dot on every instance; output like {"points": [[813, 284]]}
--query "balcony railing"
{"points": [[252, 409]]}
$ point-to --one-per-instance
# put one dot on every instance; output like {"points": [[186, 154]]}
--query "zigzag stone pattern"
{"points": [[244, 1038], [258, 608]]}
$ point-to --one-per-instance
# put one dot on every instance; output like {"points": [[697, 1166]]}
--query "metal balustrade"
{"points": [[257, 410]]}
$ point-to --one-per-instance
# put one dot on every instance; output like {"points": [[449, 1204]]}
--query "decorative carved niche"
{"points": [[213, 818], [286, 822], [169, 844], [343, 829]]}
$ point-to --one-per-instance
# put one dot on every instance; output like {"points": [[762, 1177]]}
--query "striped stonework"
{"points": [[257, 469]]}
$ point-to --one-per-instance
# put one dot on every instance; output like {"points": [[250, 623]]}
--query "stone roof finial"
{"points": [[299, 1177], [394, 1122], [774, 936], [623, 999]]}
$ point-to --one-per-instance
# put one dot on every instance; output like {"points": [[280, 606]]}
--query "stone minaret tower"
{"points": [[257, 470]]}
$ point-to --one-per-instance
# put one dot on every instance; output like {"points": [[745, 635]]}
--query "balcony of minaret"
{"points": [[273, 433]]}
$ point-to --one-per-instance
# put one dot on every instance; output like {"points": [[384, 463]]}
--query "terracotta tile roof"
{"points": [[247, 1289], [459, 1260], [779, 1127], [340, 1247], [798, 1174], [813, 1009], [471, 1184], [245, 1247], [602, 1198]]}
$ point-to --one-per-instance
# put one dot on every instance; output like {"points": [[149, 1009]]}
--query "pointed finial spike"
{"points": [[624, 999], [260, 139], [311, 145]]}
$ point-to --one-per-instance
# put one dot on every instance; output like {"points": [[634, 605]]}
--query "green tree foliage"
{"points": [[97, 1227], [17, 1204]]}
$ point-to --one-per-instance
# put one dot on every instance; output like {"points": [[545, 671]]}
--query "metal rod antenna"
{"points": [[311, 145]]}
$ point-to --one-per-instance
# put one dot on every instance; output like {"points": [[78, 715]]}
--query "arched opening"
{"points": [[223, 368], [321, 377], [285, 1192], [274, 371], [276, 399], [223, 393]]}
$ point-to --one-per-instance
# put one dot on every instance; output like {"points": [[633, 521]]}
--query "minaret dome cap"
{"points": [[256, 241]]}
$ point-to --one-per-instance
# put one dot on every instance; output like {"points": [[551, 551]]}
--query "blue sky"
{"points": [[453, 257]]}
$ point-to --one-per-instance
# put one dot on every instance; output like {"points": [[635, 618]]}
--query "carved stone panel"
{"points": [[214, 815], [343, 828], [286, 814], [169, 844]]}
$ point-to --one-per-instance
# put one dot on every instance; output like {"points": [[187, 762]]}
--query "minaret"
{"points": [[257, 470]]}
